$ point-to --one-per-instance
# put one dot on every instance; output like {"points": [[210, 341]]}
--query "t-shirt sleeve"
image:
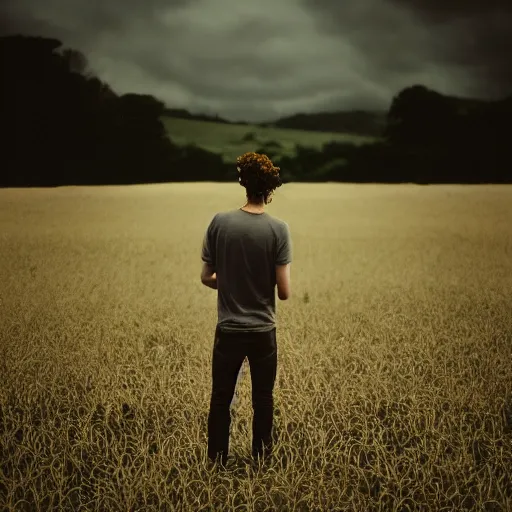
{"points": [[208, 252], [284, 246]]}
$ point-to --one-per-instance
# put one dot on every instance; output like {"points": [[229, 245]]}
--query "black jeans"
{"points": [[229, 351]]}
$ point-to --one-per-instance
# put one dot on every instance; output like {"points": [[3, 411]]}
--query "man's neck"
{"points": [[251, 207]]}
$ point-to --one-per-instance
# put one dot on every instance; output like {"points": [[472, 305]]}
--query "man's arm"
{"points": [[283, 260], [209, 276], [208, 255]]}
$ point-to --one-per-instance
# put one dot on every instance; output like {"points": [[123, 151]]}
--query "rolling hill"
{"points": [[232, 140], [357, 122]]}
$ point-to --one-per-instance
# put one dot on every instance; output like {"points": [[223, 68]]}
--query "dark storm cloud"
{"points": [[483, 31], [470, 37], [260, 60], [87, 17]]}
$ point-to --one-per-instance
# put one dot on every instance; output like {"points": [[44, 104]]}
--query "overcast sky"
{"points": [[258, 60]]}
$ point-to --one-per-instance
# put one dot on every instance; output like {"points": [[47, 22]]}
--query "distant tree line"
{"points": [[182, 113], [64, 126], [428, 138], [356, 122]]}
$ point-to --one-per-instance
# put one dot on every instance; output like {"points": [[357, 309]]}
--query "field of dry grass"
{"points": [[394, 386]]}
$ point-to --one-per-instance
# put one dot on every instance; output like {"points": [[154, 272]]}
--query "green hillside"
{"points": [[228, 139]]}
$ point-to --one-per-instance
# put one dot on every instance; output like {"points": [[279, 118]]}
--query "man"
{"points": [[246, 253]]}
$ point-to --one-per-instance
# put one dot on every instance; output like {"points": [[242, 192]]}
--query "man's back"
{"points": [[244, 249]]}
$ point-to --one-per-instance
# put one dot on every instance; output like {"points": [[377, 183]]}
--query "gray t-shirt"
{"points": [[244, 249]]}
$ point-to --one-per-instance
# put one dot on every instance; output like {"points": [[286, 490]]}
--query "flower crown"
{"points": [[258, 164]]}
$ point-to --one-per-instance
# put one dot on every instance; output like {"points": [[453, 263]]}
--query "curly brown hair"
{"points": [[258, 175]]}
